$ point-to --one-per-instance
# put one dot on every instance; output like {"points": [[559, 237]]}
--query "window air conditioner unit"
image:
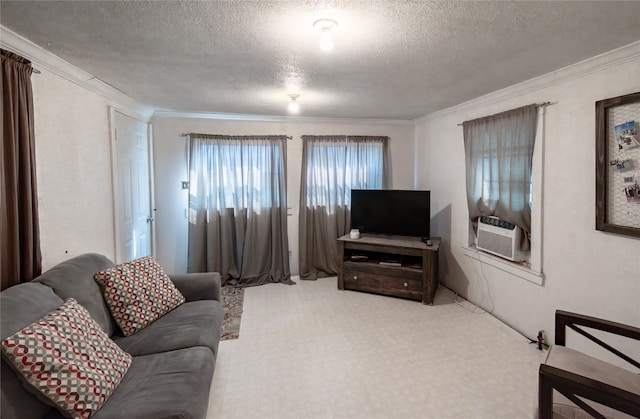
{"points": [[500, 238]]}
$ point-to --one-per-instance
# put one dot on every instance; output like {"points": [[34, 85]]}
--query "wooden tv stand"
{"points": [[390, 265]]}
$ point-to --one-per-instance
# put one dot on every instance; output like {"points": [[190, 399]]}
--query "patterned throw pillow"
{"points": [[68, 358], [138, 293]]}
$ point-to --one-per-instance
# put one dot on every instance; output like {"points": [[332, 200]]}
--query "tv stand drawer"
{"points": [[361, 278], [383, 284], [376, 280]]}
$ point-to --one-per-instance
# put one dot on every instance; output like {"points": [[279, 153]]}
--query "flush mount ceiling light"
{"points": [[325, 26], [293, 107]]}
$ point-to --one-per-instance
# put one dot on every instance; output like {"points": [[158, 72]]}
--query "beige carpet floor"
{"points": [[312, 351]]}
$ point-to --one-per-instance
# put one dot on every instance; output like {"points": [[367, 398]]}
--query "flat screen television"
{"points": [[391, 212]]}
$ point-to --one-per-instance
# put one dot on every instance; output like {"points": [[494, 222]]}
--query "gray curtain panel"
{"points": [[498, 155], [20, 258], [237, 208], [331, 167]]}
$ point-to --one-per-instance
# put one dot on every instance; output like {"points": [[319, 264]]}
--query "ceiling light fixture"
{"points": [[294, 107], [325, 26]]}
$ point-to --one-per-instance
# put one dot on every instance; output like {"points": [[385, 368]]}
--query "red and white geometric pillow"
{"points": [[138, 293], [68, 358]]}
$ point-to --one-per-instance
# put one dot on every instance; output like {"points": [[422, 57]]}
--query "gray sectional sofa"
{"points": [[173, 358]]}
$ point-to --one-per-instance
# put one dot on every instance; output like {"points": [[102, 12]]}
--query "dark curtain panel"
{"points": [[20, 258], [331, 167], [237, 208], [498, 156]]}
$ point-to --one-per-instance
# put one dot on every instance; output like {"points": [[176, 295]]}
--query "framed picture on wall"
{"points": [[618, 165]]}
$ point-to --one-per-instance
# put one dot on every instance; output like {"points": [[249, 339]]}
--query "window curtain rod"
{"points": [[187, 135], [30, 63], [537, 105]]}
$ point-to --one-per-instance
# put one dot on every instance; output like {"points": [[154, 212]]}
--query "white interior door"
{"points": [[132, 187]]}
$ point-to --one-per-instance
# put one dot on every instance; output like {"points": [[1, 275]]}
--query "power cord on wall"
{"points": [[540, 341], [482, 280], [481, 277], [541, 338], [459, 300]]}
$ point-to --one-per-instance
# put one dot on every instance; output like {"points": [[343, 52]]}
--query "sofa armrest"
{"points": [[566, 319], [198, 286]]}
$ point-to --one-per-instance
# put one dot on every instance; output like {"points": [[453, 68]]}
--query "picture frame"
{"points": [[618, 165]]}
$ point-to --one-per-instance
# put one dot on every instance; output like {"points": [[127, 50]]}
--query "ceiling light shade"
{"points": [[325, 26], [294, 107], [326, 43]]}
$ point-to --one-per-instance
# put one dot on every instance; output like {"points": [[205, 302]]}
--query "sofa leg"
{"points": [[545, 398]]}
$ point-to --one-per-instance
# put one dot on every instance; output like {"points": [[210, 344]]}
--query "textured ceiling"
{"points": [[392, 59]]}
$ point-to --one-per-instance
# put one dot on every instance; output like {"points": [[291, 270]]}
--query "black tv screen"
{"points": [[391, 212]]}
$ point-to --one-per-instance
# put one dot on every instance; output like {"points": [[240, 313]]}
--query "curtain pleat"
{"points": [[498, 154], [20, 257], [237, 208], [331, 167]]}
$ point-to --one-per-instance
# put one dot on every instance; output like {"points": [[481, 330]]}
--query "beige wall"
{"points": [[171, 169], [73, 159], [587, 271]]}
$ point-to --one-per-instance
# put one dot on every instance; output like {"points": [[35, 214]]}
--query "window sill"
{"points": [[514, 268]]}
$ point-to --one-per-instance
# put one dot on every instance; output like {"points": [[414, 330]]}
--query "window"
{"points": [[495, 180], [238, 174], [237, 204], [331, 167], [334, 166], [499, 156]]}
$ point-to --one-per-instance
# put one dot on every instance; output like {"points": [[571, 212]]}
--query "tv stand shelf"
{"points": [[397, 266]]}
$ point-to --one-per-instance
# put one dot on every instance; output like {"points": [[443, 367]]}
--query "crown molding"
{"points": [[159, 114], [616, 57], [43, 59]]}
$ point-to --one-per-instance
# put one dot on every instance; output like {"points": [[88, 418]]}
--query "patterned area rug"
{"points": [[232, 299]]}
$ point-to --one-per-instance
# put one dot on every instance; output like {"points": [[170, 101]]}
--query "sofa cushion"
{"points": [[138, 293], [20, 306], [195, 323], [68, 358], [73, 278], [165, 385]]}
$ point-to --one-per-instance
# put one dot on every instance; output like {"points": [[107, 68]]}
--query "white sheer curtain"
{"points": [[331, 167], [237, 208], [498, 155]]}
